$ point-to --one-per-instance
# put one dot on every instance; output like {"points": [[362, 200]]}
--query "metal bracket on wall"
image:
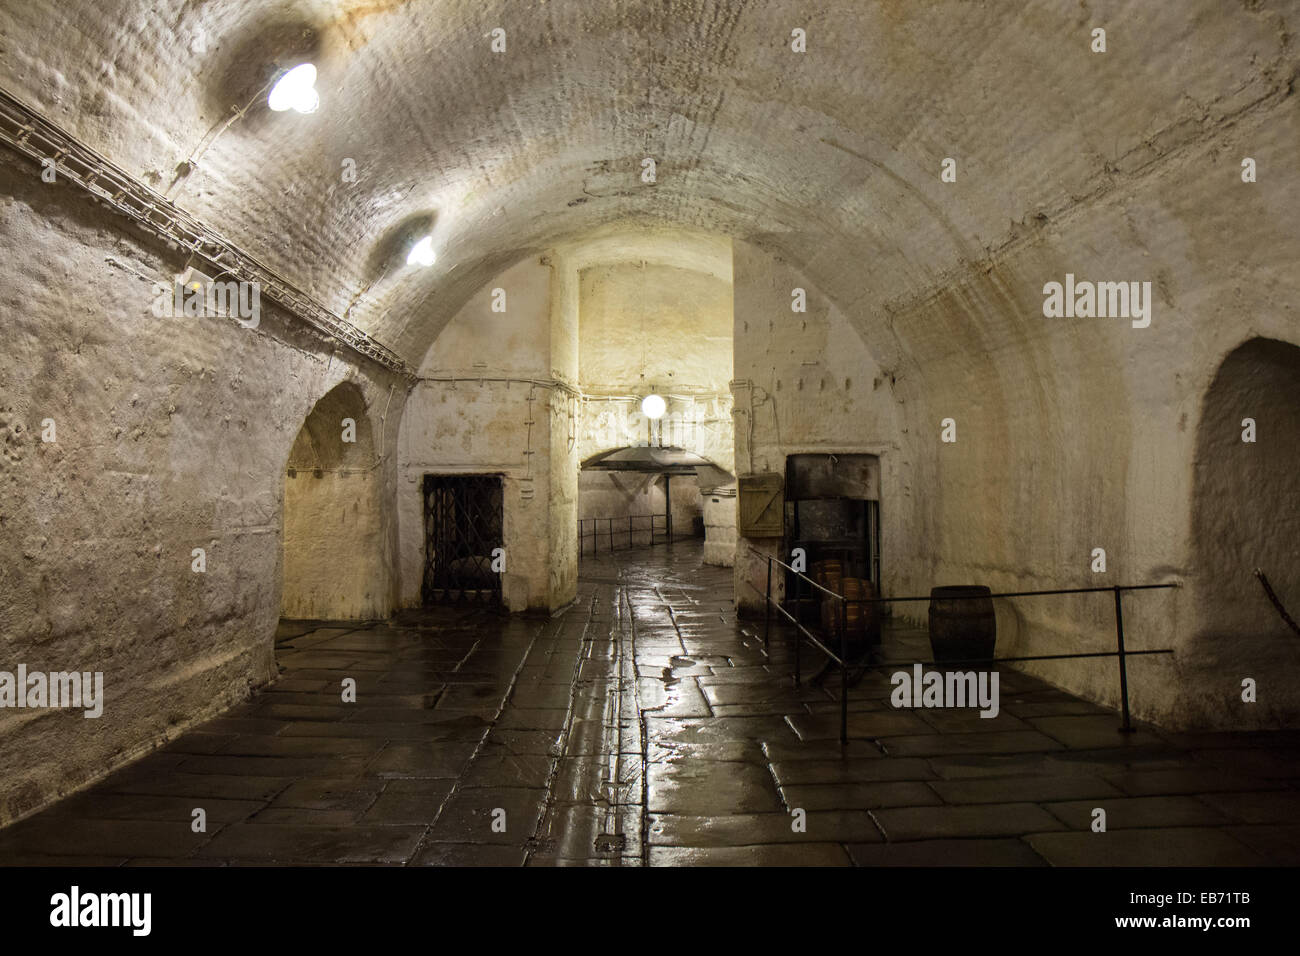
{"points": [[31, 135]]}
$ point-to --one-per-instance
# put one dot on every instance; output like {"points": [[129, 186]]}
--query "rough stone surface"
{"points": [[817, 171], [171, 435]]}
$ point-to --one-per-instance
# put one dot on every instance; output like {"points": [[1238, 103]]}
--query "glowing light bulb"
{"points": [[294, 91], [653, 407], [422, 253]]}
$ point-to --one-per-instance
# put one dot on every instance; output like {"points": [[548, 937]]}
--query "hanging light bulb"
{"points": [[422, 253], [653, 407], [294, 91]]}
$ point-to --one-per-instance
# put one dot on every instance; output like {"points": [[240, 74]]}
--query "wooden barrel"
{"points": [[962, 624], [828, 573], [864, 617], [861, 620]]}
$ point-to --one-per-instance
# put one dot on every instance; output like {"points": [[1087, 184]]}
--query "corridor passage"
{"points": [[644, 725]]}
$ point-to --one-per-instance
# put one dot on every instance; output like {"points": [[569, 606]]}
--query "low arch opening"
{"points": [[1246, 517], [332, 537]]}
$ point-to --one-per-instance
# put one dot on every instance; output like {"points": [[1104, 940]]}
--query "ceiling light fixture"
{"points": [[422, 253], [294, 91], [653, 407], [192, 280]]}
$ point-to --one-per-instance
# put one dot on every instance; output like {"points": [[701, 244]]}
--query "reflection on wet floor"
{"points": [[645, 725]]}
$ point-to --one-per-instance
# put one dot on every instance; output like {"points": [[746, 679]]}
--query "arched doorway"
{"points": [[332, 537], [628, 497], [1246, 515]]}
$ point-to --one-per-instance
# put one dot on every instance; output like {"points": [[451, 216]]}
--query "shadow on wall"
{"points": [[333, 554], [1246, 515]]}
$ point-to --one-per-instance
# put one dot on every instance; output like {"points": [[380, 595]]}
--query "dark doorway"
{"points": [[833, 512], [463, 535]]}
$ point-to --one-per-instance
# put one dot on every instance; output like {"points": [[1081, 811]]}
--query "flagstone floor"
{"points": [[646, 726]]}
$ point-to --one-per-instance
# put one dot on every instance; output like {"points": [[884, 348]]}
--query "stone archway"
{"points": [[1246, 515], [624, 486], [333, 525]]}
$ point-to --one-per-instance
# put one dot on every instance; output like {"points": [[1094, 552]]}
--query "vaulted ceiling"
{"points": [[829, 158]]}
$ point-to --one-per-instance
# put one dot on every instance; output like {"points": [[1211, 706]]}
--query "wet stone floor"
{"points": [[646, 726]]}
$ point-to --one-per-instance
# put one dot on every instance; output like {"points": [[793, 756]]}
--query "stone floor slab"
{"points": [[984, 820], [280, 843], [1171, 846], [1010, 789], [1137, 812], [811, 854], [818, 826], [859, 796], [1003, 852]]}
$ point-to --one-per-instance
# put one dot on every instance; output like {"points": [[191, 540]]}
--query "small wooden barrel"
{"points": [[861, 621], [962, 623], [828, 573]]}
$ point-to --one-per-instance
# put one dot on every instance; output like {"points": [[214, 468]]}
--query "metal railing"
{"points": [[841, 659], [622, 527]]}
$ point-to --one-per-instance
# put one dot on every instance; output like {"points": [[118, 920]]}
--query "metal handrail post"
{"points": [[668, 506], [1127, 726], [798, 596], [767, 605], [844, 671], [797, 641]]}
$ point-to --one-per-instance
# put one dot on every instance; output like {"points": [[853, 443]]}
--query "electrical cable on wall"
{"points": [[1268, 590], [191, 163]]}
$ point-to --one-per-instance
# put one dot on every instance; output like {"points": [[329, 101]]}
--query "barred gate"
{"points": [[463, 525]]}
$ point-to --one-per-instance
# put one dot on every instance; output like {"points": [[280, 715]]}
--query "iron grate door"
{"points": [[463, 525]]}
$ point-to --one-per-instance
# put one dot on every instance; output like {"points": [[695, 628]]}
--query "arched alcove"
{"points": [[1246, 515], [624, 492], [333, 547]]}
